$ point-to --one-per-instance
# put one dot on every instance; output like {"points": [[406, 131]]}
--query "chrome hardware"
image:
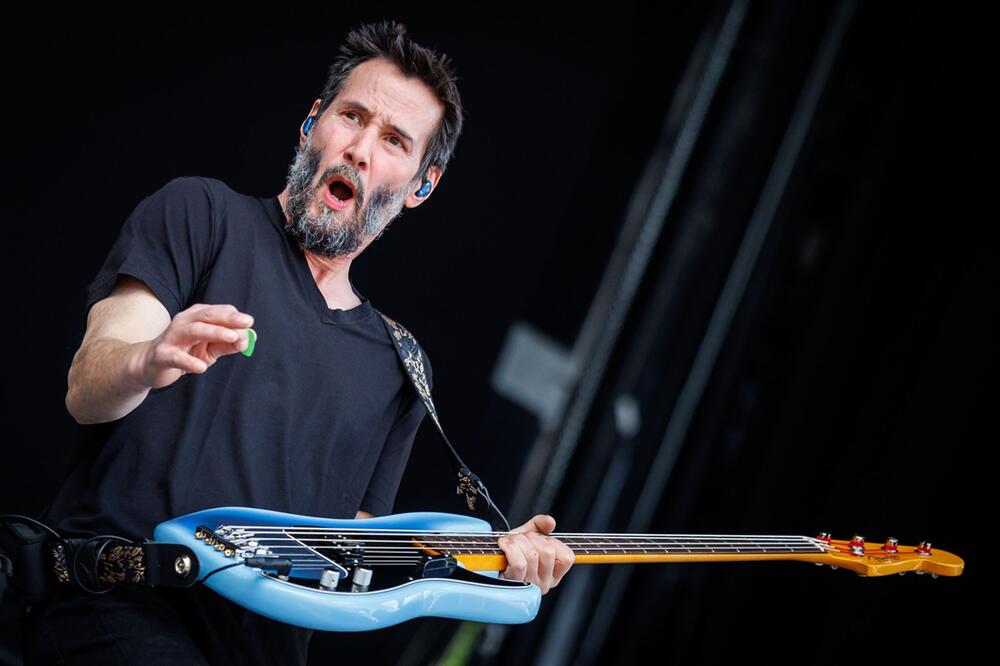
{"points": [[361, 580], [182, 565], [329, 578]]}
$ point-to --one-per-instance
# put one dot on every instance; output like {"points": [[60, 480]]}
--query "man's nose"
{"points": [[359, 150]]}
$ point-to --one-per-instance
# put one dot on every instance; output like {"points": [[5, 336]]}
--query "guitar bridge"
{"points": [[212, 538]]}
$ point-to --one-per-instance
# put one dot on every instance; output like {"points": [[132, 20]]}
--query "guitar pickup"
{"points": [[348, 553]]}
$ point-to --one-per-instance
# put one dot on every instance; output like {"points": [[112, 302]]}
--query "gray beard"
{"points": [[334, 233]]}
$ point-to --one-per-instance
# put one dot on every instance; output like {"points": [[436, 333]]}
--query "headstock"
{"points": [[887, 558]]}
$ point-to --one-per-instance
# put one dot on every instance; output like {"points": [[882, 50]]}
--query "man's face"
{"points": [[372, 136], [332, 233]]}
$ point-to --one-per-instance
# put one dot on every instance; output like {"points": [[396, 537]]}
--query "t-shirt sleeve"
{"points": [[381, 493], [166, 242]]}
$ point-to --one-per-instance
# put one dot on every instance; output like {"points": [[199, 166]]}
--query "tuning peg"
{"points": [[857, 545], [924, 548], [891, 545], [825, 537]]}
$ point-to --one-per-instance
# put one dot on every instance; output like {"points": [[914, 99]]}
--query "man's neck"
{"points": [[332, 276]]}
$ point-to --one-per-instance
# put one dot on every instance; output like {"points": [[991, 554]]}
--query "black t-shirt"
{"points": [[320, 419]]}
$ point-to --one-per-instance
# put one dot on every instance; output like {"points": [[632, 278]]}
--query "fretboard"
{"points": [[618, 544]]}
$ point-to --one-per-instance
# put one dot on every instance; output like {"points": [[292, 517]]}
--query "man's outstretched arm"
{"points": [[132, 345]]}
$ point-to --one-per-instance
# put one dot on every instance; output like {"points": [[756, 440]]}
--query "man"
{"points": [[319, 420]]}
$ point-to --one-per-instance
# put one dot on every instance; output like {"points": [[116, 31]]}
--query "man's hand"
{"points": [[195, 338], [535, 557]]}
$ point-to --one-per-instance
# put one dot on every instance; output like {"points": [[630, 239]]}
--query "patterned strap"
{"points": [[469, 485], [99, 563]]}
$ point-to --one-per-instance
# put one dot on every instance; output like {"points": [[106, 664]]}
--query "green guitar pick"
{"points": [[252, 340]]}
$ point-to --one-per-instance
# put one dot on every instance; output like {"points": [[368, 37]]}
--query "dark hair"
{"points": [[389, 40]]}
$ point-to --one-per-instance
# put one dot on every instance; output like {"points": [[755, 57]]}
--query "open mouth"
{"points": [[341, 189]]}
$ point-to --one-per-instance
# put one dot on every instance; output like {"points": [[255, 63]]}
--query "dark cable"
{"points": [[486, 494], [31, 520], [228, 566], [94, 570]]}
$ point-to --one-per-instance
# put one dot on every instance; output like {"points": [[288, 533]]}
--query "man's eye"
{"points": [[398, 141]]}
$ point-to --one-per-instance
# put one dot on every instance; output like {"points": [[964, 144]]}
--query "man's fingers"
{"points": [[539, 523], [530, 554], [201, 331], [223, 315], [184, 361], [565, 557], [544, 523], [546, 560], [217, 349], [517, 560]]}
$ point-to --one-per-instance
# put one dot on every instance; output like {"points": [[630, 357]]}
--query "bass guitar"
{"points": [[357, 575]]}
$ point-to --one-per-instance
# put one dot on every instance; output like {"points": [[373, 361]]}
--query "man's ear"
{"points": [[434, 175], [312, 112]]}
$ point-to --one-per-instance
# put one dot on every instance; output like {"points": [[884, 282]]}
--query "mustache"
{"points": [[302, 172]]}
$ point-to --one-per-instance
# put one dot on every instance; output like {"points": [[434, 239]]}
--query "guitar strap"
{"points": [[477, 497]]}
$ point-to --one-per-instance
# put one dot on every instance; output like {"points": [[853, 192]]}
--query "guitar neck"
{"points": [[482, 553], [639, 548]]}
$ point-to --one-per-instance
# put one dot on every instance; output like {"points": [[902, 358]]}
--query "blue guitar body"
{"points": [[226, 537]]}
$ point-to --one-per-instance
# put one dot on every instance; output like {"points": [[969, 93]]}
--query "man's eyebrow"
{"points": [[364, 109]]}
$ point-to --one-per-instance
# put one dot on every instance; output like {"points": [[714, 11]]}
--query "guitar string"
{"points": [[474, 538], [321, 562], [381, 551], [438, 545], [368, 530], [474, 541], [404, 555]]}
